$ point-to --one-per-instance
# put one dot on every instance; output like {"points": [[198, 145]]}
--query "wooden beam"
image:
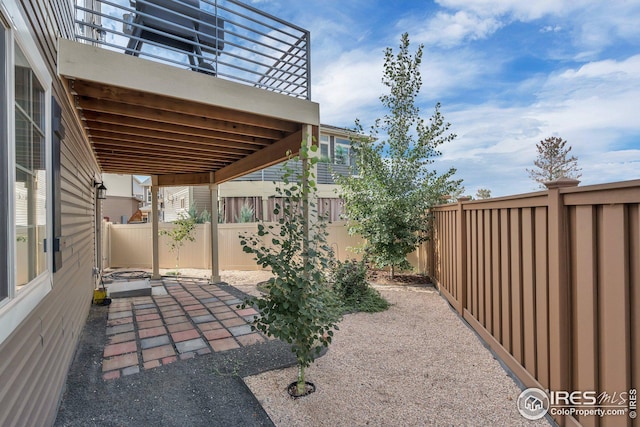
{"points": [[182, 179], [162, 165], [175, 158], [106, 147], [156, 115], [268, 156], [216, 140], [166, 144], [138, 98]]}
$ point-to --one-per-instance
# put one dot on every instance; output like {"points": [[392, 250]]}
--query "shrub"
{"points": [[350, 283], [246, 214]]}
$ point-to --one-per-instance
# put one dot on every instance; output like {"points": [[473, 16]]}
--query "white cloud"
{"points": [[446, 30], [608, 68], [348, 86], [521, 10], [593, 107], [592, 24], [551, 29]]}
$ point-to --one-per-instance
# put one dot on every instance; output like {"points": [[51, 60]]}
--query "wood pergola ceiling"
{"points": [[184, 142]]}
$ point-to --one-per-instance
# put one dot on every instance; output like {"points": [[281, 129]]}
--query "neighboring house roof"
{"points": [[142, 180], [335, 130]]}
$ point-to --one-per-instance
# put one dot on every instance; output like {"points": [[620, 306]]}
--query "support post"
{"points": [[559, 298], [461, 255], [311, 214], [215, 261], [98, 232], [155, 257], [265, 207]]}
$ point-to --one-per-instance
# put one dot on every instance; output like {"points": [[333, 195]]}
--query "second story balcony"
{"points": [[222, 38], [192, 91]]}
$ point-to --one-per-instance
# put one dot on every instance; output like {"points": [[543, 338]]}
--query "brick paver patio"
{"points": [[191, 318]]}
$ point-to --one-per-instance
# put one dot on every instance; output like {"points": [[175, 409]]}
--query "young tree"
{"points": [[483, 193], [387, 201], [179, 234], [300, 307], [553, 162]]}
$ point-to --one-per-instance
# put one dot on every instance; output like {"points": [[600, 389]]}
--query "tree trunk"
{"points": [[301, 382]]}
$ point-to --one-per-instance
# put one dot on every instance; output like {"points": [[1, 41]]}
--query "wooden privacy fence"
{"points": [[551, 281]]}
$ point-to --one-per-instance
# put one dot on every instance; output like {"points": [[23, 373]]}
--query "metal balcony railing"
{"points": [[222, 38]]}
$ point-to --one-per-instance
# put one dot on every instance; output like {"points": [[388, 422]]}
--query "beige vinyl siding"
{"points": [[201, 196], [35, 359]]}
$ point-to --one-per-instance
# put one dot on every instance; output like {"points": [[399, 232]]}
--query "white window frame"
{"points": [[18, 305], [325, 141]]}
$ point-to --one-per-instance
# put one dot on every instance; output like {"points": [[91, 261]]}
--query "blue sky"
{"points": [[508, 73]]}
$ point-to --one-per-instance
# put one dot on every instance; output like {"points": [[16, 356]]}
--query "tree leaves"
{"points": [[386, 202], [299, 307]]}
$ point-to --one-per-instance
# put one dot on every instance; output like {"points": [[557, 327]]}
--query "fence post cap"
{"points": [[561, 183]]}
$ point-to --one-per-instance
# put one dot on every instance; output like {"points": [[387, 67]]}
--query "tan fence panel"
{"points": [[231, 255], [344, 245], [190, 254], [129, 246], [106, 244]]}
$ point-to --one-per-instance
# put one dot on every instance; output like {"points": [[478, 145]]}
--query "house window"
{"points": [[30, 172], [25, 193], [324, 148], [342, 155], [182, 203]]}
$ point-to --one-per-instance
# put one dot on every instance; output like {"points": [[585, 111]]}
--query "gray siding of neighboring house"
{"points": [[35, 359], [172, 201], [201, 196]]}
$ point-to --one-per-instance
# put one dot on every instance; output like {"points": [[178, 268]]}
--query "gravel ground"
{"points": [[415, 364]]}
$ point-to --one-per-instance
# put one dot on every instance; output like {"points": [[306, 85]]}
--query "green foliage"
{"points": [[350, 283], [300, 306], [387, 201], [553, 162], [201, 218], [246, 214], [193, 211], [179, 234], [204, 217]]}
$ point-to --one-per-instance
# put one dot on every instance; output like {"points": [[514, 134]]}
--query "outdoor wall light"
{"points": [[101, 190]]}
